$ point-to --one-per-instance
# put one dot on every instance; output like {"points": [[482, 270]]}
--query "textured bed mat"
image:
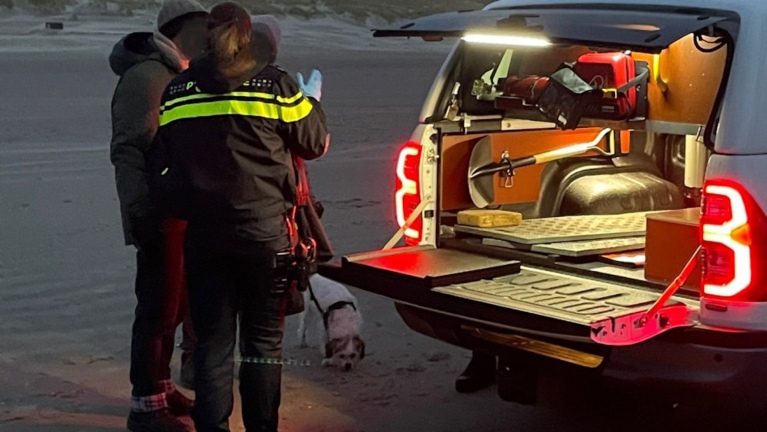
{"points": [[569, 298], [591, 247], [565, 229]]}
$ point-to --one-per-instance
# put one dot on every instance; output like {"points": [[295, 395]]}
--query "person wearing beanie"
{"points": [[267, 36], [222, 160], [146, 63]]}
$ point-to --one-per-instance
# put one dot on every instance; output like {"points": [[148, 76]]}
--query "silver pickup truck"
{"points": [[628, 138]]}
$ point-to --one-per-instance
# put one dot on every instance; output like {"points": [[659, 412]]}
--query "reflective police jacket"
{"points": [[222, 154]]}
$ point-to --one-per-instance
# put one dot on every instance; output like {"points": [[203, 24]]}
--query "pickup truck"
{"points": [[628, 136]]}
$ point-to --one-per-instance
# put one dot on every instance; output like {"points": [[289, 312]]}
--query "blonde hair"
{"points": [[230, 45]]}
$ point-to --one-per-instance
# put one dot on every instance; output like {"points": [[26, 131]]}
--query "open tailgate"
{"points": [[500, 291]]}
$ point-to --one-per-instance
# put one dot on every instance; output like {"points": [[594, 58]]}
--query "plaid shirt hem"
{"points": [[148, 403]]}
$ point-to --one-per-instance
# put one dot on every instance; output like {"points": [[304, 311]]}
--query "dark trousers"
{"points": [[222, 287], [158, 313]]}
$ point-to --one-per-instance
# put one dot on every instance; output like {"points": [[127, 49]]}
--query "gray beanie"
{"points": [[268, 26], [172, 9]]}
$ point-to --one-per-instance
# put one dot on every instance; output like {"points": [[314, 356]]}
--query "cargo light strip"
{"points": [[490, 39]]}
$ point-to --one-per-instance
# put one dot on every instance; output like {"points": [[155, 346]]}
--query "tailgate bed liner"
{"points": [[568, 298]]}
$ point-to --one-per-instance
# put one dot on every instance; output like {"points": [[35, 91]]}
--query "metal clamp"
{"points": [[508, 177], [639, 327], [610, 93]]}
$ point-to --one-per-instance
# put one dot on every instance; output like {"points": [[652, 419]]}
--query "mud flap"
{"points": [[639, 327]]}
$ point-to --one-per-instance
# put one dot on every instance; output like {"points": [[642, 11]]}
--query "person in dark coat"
{"points": [[222, 160], [146, 63]]}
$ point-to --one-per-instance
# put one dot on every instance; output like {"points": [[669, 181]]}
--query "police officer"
{"points": [[222, 160]]}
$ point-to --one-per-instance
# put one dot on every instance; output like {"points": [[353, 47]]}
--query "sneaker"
{"points": [[156, 421], [480, 373], [178, 404]]}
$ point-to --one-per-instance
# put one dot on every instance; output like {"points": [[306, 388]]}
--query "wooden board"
{"points": [[489, 218]]}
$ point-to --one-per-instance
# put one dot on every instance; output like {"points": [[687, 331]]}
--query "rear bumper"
{"points": [[706, 374]]}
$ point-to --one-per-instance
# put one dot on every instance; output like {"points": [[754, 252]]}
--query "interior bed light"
{"points": [[497, 39]]}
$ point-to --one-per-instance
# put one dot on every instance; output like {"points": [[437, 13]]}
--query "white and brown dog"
{"points": [[337, 315]]}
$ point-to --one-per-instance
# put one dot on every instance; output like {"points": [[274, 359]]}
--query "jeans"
{"points": [[160, 293], [225, 286]]}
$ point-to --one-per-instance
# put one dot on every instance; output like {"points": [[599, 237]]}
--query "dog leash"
{"points": [[273, 361]]}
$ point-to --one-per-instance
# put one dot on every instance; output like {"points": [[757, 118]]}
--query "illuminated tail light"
{"points": [[733, 235], [408, 194]]}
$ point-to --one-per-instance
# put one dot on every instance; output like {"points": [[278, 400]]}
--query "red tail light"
{"points": [[408, 194], [734, 236]]}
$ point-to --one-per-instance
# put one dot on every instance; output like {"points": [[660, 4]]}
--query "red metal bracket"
{"points": [[638, 327]]}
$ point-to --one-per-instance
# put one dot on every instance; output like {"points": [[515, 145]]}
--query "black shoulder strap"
{"points": [[634, 82], [316, 303]]}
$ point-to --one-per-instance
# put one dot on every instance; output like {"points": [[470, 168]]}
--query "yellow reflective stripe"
{"points": [[296, 113], [241, 108], [173, 102], [290, 100], [217, 108]]}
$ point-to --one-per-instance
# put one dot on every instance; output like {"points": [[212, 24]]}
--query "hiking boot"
{"points": [[480, 373], [156, 421], [178, 404]]}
